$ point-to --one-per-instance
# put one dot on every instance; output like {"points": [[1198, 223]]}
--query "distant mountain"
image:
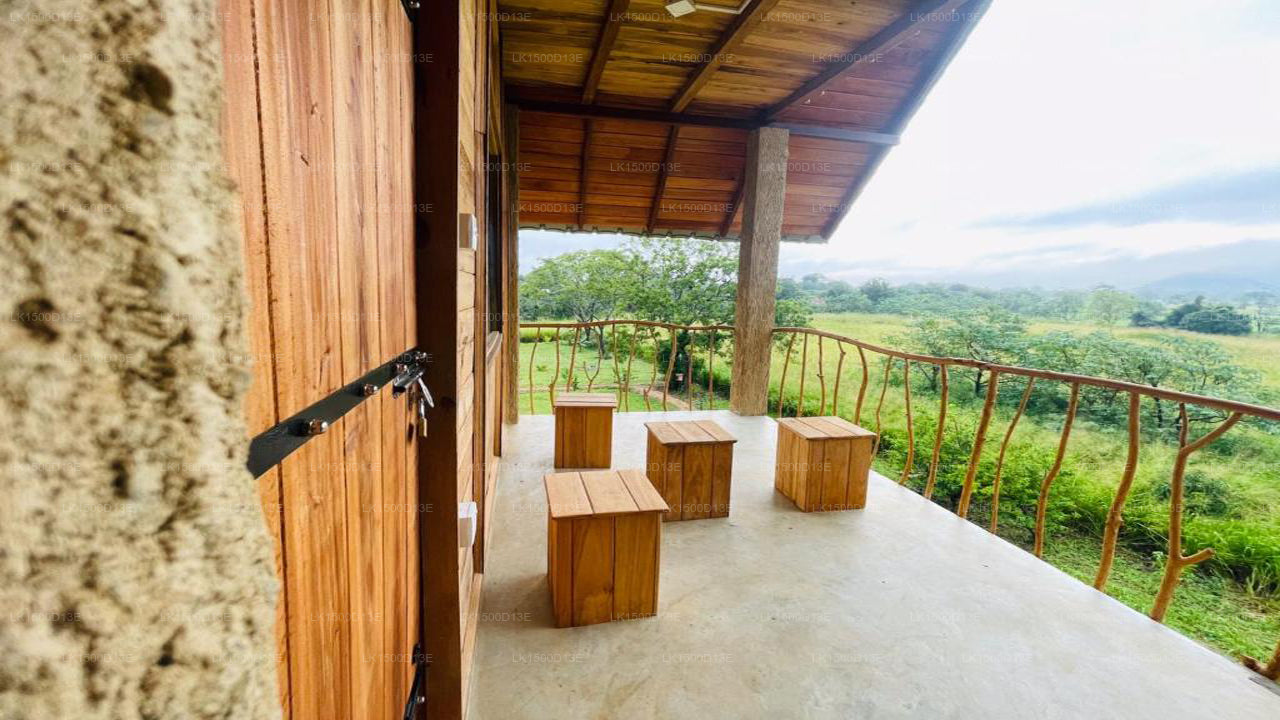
{"points": [[1222, 272], [1220, 286]]}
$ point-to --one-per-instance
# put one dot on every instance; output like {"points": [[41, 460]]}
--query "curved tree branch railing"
{"points": [[681, 342]]}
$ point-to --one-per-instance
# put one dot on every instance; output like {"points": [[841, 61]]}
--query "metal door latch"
{"points": [[424, 401]]}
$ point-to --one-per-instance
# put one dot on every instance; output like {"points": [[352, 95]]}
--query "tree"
{"points": [[1263, 303], [1175, 316], [1109, 306], [877, 290], [991, 335], [1220, 320], [585, 285], [678, 280]]}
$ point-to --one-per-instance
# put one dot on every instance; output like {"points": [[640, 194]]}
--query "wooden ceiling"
{"points": [[634, 121]]}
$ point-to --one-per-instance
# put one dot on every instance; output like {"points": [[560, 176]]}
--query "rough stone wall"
{"points": [[135, 572]]}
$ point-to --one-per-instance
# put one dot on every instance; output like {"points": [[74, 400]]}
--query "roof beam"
{"points": [[892, 36], [617, 113], [836, 133], [658, 116], [733, 36], [604, 48], [663, 173]]}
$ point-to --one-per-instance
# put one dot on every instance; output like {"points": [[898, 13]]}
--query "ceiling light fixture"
{"points": [[680, 8]]}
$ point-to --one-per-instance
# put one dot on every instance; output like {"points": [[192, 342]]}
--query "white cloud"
{"points": [[1050, 106]]}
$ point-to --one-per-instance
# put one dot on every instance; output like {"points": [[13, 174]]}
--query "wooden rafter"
{"points": [[727, 225], [663, 172], [883, 41], [582, 171], [604, 48], [737, 31]]}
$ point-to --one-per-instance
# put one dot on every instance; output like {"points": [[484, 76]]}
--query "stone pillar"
{"points": [[763, 192], [136, 574]]}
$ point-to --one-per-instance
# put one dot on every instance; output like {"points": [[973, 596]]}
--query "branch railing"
{"points": [[1176, 562], [688, 350], [672, 349]]}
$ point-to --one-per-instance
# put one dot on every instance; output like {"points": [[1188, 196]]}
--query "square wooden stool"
{"points": [[823, 463], [603, 538], [584, 429], [690, 462]]}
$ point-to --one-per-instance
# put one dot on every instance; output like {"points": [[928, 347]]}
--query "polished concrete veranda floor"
{"points": [[898, 611]]}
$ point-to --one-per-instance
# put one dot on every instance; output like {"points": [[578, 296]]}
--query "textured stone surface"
{"points": [[901, 610], [135, 570], [763, 197]]}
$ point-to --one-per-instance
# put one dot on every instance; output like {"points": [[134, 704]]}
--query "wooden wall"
{"points": [[317, 124]]}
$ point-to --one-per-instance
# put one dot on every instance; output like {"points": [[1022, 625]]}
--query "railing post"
{"points": [[762, 196]]}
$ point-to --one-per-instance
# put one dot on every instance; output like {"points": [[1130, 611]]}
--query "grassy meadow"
{"points": [[1231, 603]]}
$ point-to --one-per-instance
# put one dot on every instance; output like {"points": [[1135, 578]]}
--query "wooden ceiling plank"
{"points": [[582, 180], [737, 31], [604, 48], [900, 30], [663, 174]]}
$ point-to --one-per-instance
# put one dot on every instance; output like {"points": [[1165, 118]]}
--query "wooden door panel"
{"points": [[328, 235]]}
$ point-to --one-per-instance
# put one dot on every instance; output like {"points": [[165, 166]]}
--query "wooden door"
{"points": [[317, 129]]}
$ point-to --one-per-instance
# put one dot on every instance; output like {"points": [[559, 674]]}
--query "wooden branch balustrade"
{"points": [[997, 375], [630, 343]]}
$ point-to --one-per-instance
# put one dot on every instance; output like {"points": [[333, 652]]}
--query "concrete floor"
{"points": [[897, 611]]}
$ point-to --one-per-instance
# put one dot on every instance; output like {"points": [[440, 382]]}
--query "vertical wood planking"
{"points": [[697, 495], [241, 136], [355, 204], [721, 474], [636, 569], [391, 251], [835, 473], [592, 570], [297, 135]]}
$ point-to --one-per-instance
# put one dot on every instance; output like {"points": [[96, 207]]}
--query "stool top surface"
{"points": [[586, 400], [689, 432], [824, 428], [601, 492]]}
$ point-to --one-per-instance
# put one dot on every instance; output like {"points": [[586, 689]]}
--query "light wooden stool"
{"points": [[823, 463], [603, 538], [691, 463], [584, 429]]}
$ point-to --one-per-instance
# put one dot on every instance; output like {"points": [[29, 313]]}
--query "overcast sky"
{"points": [[1069, 133]]}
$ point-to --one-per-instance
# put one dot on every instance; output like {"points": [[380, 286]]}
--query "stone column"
{"points": [[764, 190], [136, 575]]}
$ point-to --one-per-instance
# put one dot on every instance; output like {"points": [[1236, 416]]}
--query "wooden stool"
{"points": [[603, 537], [690, 463], [823, 463], [584, 429]]}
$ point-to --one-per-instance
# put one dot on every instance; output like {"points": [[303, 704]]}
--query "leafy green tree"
{"points": [[877, 290], [1220, 320], [1175, 316], [992, 335], [585, 285], [1109, 306], [676, 280]]}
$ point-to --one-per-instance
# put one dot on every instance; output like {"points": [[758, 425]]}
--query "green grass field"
{"points": [[1229, 604]]}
